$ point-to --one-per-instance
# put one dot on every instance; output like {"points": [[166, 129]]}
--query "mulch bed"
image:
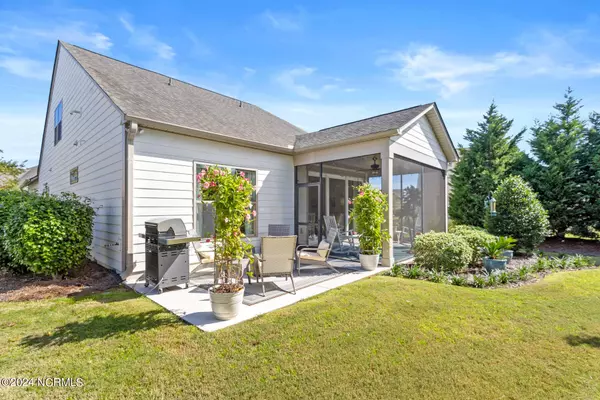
{"points": [[91, 278], [572, 246]]}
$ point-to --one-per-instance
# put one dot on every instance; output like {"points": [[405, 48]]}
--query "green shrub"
{"points": [[479, 281], [519, 214], [458, 280], [492, 280], [439, 251], [437, 277], [8, 200], [476, 238], [49, 234], [414, 272]]}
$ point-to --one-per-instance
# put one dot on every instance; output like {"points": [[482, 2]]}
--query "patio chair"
{"points": [[279, 230], [317, 255], [277, 258], [341, 236]]}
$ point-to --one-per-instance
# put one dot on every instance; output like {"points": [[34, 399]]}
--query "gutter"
{"points": [[184, 130], [358, 139], [131, 130]]}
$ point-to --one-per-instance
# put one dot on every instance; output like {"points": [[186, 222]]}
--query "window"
{"points": [[58, 112], [74, 175], [205, 225]]}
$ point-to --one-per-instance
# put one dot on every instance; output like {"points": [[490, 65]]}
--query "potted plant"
{"points": [[368, 213], [230, 195], [507, 243], [494, 258]]}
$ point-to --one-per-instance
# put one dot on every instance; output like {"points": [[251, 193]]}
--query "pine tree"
{"points": [[491, 156], [588, 178], [554, 145]]}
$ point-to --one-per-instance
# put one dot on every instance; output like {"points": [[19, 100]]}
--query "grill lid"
{"points": [[167, 226]]}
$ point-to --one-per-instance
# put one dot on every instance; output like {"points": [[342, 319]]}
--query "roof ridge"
{"points": [[375, 116], [178, 80]]}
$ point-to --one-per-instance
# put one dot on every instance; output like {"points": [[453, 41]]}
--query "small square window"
{"points": [[74, 175], [58, 113]]}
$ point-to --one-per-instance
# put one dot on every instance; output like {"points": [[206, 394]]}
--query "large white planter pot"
{"points": [[369, 262], [226, 306]]}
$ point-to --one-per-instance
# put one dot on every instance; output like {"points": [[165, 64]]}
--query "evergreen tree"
{"points": [[491, 156], [554, 145], [588, 178]]}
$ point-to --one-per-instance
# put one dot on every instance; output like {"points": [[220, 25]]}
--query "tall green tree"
{"points": [[554, 145], [492, 154], [9, 173], [588, 179]]}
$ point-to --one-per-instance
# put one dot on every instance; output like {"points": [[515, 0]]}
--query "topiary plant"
{"points": [[476, 238], [49, 234], [519, 214], [440, 251]]}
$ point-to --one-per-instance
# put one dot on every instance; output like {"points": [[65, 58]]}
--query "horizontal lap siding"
{"points": [[99, 155], [164, 181], [420, 139]]}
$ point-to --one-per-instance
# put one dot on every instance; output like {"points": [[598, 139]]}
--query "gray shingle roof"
{"points": [[146, 94], [357, 129]]}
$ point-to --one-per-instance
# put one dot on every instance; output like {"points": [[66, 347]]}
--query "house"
{"points": [[133, 141], [28, 180]]}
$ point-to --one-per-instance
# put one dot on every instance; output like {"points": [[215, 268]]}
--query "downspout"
{"points": [[131, 131]]}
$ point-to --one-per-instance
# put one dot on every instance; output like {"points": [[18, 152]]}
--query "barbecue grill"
{"points": [[167, 254]]}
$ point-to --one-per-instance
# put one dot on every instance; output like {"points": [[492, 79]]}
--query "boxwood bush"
{"points": [[519, 214], [48, 234], [476, 238], [440, 251], [9, 199]]}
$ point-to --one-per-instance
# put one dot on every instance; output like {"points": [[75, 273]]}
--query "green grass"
{"points": [[381, 337]]}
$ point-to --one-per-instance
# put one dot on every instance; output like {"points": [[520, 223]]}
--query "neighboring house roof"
{"points": [[357, 129], [149, 95], [28, 176]]}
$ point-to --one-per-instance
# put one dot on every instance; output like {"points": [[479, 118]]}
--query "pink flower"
{"points": [[213, 184], [361, 193], [236, 233], [206, 185], [247, 217], [242, 174], [254, 213], [349, 201]]}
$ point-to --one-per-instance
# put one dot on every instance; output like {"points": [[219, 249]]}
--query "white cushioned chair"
{"points": [[277, 258]]}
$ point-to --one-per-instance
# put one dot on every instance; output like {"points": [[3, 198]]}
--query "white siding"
{"points": [[418, 142], [163, 179], [99, 154]]}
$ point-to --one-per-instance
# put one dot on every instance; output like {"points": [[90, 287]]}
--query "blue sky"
{"points": [[315, 64]]}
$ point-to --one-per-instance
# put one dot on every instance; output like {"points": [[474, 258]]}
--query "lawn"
{"points": [[381, 337]]}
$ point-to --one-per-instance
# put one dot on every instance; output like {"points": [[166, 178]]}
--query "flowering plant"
{"points": [[230, 195], [369, 210]]}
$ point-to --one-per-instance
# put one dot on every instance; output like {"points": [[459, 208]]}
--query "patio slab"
{"points": [[193, 304]]}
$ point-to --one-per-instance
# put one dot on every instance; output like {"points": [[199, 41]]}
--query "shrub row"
{"points": [[475, 237], [544, 264], [44, 234], [442, 252]]}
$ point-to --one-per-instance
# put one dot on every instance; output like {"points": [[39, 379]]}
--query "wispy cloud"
{"points": [[296, 80], [26, 67], [199, 48], [248, 72], [427, 67], [73, 32], [143, 37], [285, 21]]}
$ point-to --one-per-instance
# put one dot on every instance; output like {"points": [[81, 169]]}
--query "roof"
{"points": [[360, 128], [149, 95], [28, 176]]}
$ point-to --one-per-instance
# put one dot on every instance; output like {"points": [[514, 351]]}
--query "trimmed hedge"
{"points": [[440, 251], [476, 238], [9, 199], [47, 234]]}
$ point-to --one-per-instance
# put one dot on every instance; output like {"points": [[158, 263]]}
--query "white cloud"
{"points": [[143, 37], [281, 21], [199, 48], [248, 72], [26, 67], [72, 32], [427, 67], [289, 80]]}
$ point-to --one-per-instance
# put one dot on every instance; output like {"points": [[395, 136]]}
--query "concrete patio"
{"points": [[193, 304]]}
